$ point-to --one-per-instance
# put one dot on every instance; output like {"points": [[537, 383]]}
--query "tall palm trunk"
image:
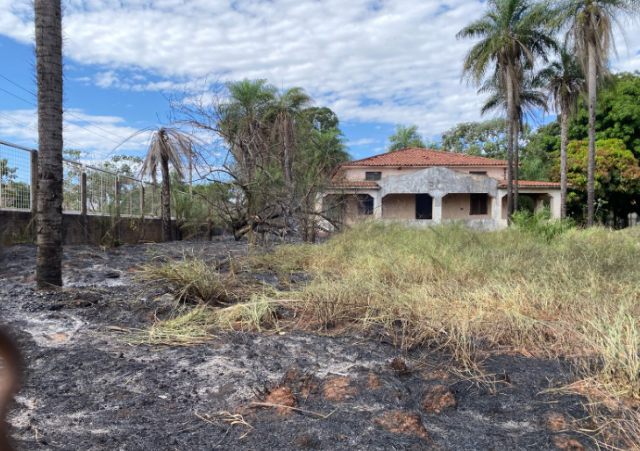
{"points": [[509, 146], [564, 135], [166, 201], [48, 24], [591, 172], [516, 161]]}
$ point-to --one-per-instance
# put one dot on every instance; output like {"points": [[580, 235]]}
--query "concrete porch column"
{"points": [[497, 210], [555, 206], [377, 205], [437, 209]]}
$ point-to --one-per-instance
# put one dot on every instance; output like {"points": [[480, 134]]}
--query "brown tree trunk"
{"points": [[564, 133], [167, 233], [48, 30], [591, 171], [510, 128], [516, 161], [288, 171]]}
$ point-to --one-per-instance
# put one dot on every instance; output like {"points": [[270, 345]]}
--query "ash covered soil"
{"points": [[88, 387]]}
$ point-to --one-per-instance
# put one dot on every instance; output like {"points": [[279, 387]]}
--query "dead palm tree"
{"points": [[167, 146], [564, 82], [589, 25], [530, 100], [48, 30], [513, 34]]}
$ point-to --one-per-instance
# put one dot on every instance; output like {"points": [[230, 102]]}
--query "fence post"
{"points": [[141, 198], [83, 192], [83, 204], [116, 223], [34, 183]]}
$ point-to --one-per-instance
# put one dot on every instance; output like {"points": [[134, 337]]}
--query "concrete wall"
{"points": [[438, 182], [497, 173], [458, 206], [399, 206], [15, 226]]}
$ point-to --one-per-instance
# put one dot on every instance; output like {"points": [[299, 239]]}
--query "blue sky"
{"points": [[375, 63]]}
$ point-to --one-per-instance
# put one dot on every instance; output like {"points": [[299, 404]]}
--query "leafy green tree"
{"points": [[539, 152], [511, 35], [590, 30], [405, 137], [486, 139], [617, 175], [320, 118], [617, 113], [564, 82]]}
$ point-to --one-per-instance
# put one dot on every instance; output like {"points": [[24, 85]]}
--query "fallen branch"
{"points": [[280, 406]]}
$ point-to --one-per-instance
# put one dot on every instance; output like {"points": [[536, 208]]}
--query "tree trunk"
{"points": [[509, 146], [564, 133], [48, 30], [591, 172], [288, 171], [516, 161], [167, 234], [190, 173]]}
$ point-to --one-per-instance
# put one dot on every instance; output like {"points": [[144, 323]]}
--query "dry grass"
{"points": [[571, 294], [574, 295]]}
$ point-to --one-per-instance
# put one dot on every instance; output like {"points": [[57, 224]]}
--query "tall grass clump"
{"points": [[191, 278], [447, 285]]}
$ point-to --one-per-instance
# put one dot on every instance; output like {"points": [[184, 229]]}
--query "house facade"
{"points": [[423, 187]]}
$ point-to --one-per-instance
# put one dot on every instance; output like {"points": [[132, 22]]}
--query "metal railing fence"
{"points": [[86, 189]]}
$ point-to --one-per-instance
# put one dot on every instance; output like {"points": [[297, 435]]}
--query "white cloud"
{"points": [[362, 142], [97, 135], [396, 63]]}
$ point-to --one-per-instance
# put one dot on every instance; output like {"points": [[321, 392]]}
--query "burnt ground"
{"points": [[89, 388]]}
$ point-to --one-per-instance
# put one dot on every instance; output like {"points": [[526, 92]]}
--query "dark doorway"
{"points": [[424, 206]]}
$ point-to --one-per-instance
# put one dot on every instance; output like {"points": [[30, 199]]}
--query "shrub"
{"points": [[541, 224]]}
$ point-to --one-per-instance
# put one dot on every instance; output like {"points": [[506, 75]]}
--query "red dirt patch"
{"points": [[282, 396], [399, 365], [373, 382], [438, 398], [303, 383], [556, 422], [336, 388], [566, 443], [398, 422]]}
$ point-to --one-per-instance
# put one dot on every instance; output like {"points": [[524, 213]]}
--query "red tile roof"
{"points": [[354, 184], [531, 184], [425, 157]]}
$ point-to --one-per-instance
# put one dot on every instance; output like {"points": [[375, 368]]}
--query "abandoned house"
{"points": [[422, 187]]}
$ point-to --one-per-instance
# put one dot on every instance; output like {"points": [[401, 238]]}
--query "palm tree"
{"points": [[405, 137], [589, 25], [564, 81], [512, 35], [286, 107], [48, 27], [167, 146], [529, 101]]}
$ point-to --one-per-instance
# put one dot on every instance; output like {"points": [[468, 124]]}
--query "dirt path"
{"points": [[88, 389]]}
